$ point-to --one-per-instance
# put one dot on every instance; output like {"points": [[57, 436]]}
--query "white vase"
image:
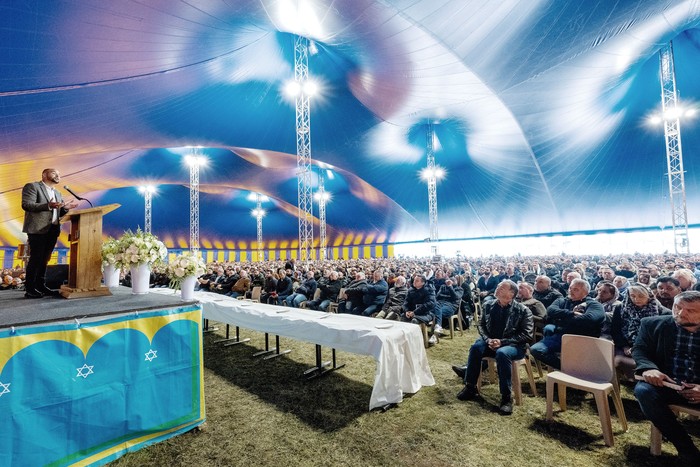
{"points": [[187, 288], [140, 278], [111, 276]]}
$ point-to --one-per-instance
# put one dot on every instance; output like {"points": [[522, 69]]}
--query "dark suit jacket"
{"points": [[656, 340], [487, 286], [35, 202]]}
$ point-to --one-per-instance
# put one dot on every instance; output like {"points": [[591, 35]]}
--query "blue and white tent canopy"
{"points": [[539, 112]]}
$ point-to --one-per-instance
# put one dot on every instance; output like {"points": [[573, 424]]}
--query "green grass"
{"points": [[264, 413]]}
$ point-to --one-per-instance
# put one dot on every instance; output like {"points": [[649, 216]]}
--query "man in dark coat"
{"points": [[506, 327], [667, 353], [420, 302]]}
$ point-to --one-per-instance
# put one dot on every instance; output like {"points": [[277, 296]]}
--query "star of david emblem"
{"points": [[151, 354], [85, 370], [5, 388]]}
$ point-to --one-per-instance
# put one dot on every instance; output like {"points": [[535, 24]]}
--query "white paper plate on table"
{"points": [[384, 325]]}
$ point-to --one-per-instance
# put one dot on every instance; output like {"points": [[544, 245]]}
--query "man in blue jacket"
{"points": [[374, 293], [576, 314]]}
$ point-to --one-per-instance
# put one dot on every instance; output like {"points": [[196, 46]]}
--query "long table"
{"points": [[402, 363]]}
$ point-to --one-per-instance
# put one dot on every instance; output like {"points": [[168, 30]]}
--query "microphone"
{"points": [[76, 196]]}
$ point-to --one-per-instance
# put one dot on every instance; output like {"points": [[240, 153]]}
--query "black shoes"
{"points": [[506, 407], [48, 292], [468, 393], [33, 294], [459, 371]]}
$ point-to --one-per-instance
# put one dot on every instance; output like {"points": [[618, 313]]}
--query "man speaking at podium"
{"points": [[43, 207]]}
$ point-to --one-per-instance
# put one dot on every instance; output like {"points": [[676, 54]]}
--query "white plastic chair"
{"points": [[587, 364], [515, 378]]}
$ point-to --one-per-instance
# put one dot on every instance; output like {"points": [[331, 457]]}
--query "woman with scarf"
{"points": [[638, 304]]}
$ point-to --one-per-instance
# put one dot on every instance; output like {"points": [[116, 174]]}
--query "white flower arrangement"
{"points": [[110, 251], [186, 264], [140, 248]]}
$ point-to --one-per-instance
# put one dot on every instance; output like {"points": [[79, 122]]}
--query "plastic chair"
{"points": [[587, 364], [255, 294], [656, 434], [515, 378], [456, 318], [333, 307], [317, 295], [426, 329]]}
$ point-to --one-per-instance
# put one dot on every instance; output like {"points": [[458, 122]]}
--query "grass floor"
{"points": [[264, 413]]}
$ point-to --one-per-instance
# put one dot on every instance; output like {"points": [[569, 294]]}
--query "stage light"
{"points": [[292, 89], [673, 113], [147, 189], [195, 160], [310, 88], [437, 173], [655, 120], [258, 212], [325, 196]]}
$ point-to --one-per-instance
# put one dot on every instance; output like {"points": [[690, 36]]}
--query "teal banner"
{"points": [[86, 393]]}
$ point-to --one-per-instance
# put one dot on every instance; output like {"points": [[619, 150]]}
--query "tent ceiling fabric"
{"points": [[538, 109]]}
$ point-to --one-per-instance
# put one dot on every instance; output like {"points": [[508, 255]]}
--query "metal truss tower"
{"points": [[303, 129], [147, 197], [432, 192], [194, 163], [259, 213], [674, 150], [322, 198]]}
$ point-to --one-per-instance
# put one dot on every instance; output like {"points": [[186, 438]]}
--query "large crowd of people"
{"points": [[648, 305]]}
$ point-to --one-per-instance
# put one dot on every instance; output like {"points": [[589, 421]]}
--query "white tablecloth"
{"points": [[402, 364]]}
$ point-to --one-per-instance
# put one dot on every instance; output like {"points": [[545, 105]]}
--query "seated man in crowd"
{"points": [[305, 291], [621, 283], [666, 289], [667, 350], [393, 306], [525, 296], [487, 283], [224, 286], [284, 287], [212, 275], [330, 288], [575, 314], [607, 295], [352, 302], [510, 273], [374, 293], [538, 310], [447, 298], [506, 327], [241, 286], [269, 287], [685, 277], [419, 305], [544, 291]]}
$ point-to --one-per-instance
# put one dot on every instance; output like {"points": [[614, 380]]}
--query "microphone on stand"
{"points": [[76, 196]]}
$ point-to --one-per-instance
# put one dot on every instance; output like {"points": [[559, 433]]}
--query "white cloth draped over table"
{"points": [[402, 363]]}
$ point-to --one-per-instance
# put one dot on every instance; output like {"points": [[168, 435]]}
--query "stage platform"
{"points": [[82, 381], [15, 310]]}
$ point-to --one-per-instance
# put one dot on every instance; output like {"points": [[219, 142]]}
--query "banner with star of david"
{"points": [[85, 393]]}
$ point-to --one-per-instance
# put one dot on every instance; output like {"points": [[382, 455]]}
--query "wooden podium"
{"points": [[85, 270]]}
